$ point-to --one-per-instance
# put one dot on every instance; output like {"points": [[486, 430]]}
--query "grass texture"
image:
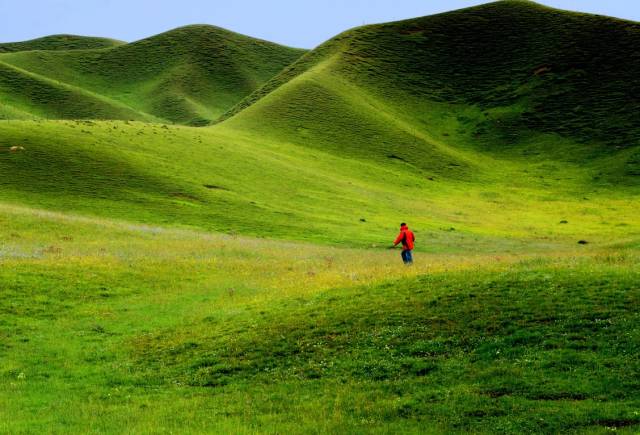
{"points": [[234, 277]]}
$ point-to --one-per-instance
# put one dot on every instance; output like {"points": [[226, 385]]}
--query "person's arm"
{"points": [[397, 240]]}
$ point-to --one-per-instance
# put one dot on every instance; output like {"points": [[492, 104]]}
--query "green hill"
{"points": [[189, 75], [510, 77], [234, 278], [341, 144], [59, 42]]}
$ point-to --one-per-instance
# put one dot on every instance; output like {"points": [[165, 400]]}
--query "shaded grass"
{"points": [[40, 96]]}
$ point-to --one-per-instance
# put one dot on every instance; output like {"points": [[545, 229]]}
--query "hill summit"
{"points": [[60, 42], [494, 76]]}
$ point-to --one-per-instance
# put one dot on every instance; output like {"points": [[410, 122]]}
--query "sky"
{"points": [[297, 23]]}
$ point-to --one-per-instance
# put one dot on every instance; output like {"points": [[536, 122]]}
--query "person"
{"points": [[408, 239]]}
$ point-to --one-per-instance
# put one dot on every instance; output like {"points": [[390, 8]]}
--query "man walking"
{"points": [[407, 238]]}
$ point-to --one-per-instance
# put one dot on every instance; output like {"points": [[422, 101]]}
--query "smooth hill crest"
{"points": [[60, 42]]}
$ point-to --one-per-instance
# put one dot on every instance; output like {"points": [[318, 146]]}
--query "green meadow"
{"points": [[110, 326], [194, 229]]}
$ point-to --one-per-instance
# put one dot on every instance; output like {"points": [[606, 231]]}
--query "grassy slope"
{"points": [[427, 89], [504, 325], [59, 42], [188, 75], [218, 179], [27, 95]]}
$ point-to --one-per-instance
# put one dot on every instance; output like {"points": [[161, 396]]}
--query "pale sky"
{"points": [[295, 23]]}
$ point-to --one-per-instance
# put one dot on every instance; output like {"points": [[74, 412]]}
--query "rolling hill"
{"points": [[188, 75], [507, 78], [233, 277]]}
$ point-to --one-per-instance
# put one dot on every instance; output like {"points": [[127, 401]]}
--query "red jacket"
{"points": [[406, 237]]}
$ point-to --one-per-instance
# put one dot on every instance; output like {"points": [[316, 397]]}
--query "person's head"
{"points": [[403, 225]]}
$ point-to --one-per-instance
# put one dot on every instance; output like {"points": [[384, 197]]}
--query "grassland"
{"points": [[231, 181], [136, 300], [109, 326], [445, 80], [235, 279]]}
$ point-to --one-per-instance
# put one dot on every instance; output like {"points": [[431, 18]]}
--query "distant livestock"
{"points": [[16, 148]]}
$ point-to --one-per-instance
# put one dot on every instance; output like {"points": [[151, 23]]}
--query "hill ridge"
{"points": [[60, 41]]}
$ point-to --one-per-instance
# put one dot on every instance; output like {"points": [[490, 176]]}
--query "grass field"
{"points": [[137, 300], [235, 278], [109, 326]]}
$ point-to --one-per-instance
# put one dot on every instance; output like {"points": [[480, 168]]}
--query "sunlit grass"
{"points": [[110, 325]]}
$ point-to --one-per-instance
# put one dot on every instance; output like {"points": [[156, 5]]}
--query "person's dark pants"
{"points": [[406, 256]]}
